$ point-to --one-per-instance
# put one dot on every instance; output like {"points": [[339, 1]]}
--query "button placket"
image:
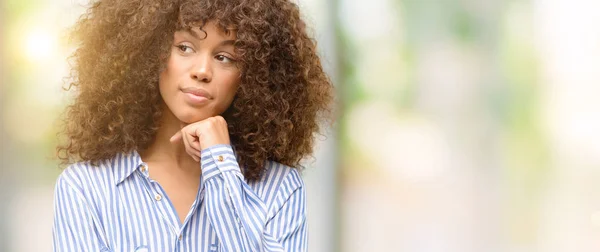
{"points": [[166, 211]]}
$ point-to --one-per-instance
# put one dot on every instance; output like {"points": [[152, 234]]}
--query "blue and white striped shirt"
{"points": [[116, 206]]}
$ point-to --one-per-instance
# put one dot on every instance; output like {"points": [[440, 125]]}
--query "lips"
{"points": [[197, 92]]}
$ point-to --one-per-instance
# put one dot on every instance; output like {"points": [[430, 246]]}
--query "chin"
{"points": [[191, 115], [191, 118]]}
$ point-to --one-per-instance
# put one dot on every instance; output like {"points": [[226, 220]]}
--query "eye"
{"points": [[185, 48], [223, 58]]}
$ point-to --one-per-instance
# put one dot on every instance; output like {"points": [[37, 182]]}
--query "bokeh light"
{"points": [[40, 44]]}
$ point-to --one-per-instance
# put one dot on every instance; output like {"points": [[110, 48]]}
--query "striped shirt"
{"points": [[116, 206]]}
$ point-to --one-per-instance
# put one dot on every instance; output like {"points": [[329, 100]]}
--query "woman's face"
{"points": [[201, 77]]}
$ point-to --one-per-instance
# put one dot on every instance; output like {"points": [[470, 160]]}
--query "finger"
{"points": [[187, 139], [190, 151], [193, 141], [196, 146], [175, 137], [185, 142], [196, 140]]}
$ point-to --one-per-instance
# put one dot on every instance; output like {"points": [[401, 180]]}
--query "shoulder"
{"points": [[278, 182], [78, 185], [85, 176], [278, 174], [291, 175], [77, 175]]}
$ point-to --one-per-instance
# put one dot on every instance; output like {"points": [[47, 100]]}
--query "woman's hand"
{"points": [[203, 134]]}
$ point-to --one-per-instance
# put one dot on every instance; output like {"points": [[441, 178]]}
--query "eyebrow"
{"points": [[193, 32], [227, 42]]}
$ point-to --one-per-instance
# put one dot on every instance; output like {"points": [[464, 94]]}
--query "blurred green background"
{"points": [[463, 125]]}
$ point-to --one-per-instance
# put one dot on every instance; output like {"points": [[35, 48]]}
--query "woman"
{"points": [[188, 126]]}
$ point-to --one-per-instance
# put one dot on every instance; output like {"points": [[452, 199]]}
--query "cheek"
{"points": [[168, 76], [167, 83], [233, 88], [163, 81], [228, 92], [173, 68]]}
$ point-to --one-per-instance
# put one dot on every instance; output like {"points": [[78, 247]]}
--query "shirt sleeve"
{"points": [[74, 228], [240, 217]]}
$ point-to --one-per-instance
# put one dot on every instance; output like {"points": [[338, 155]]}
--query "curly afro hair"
{"points": [[123, 45]]}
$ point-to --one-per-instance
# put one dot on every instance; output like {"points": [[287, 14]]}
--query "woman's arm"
{"points": [[74, 222], [240, 218]]}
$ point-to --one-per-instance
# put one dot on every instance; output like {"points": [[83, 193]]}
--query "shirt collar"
{"points": [[125, 164]]}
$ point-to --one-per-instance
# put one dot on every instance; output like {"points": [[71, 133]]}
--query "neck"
{"points": [[162, 150]]}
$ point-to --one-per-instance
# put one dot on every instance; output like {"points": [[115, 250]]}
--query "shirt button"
{"points": [[143, 168], [158, 197], [180, 237], [220, 158]]}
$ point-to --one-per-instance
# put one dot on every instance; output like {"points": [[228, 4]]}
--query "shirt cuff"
{"points": [[218, 159]]}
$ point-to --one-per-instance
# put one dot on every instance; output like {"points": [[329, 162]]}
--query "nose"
{"points": [[202, 70]]}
